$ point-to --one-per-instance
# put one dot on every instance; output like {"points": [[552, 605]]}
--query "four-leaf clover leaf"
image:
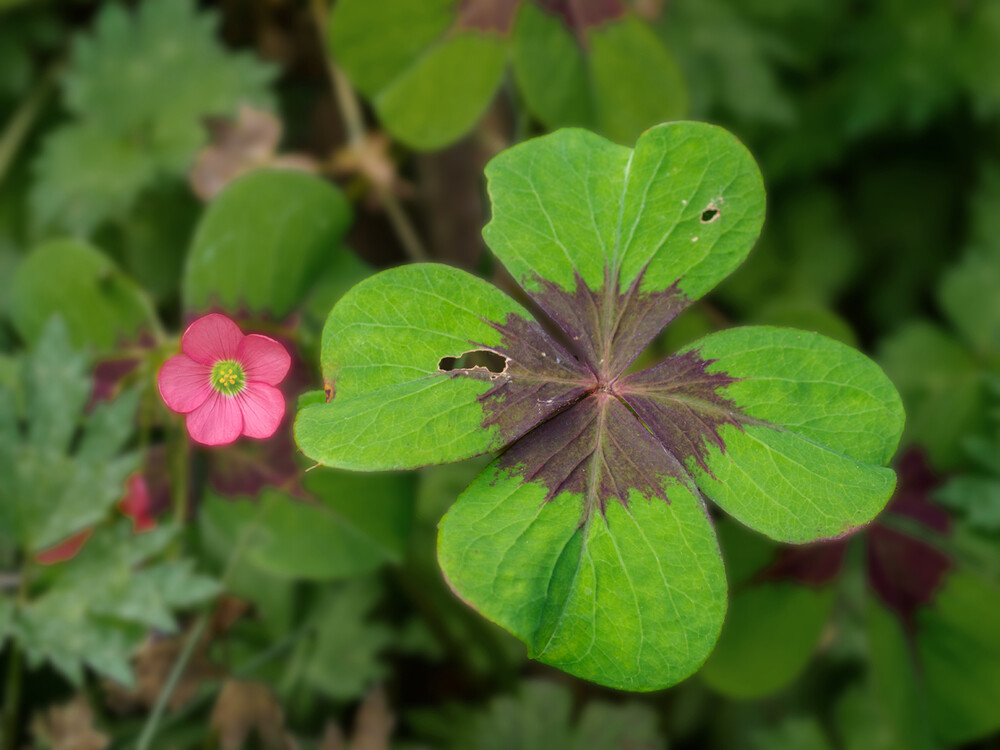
{"points": [[589, 536]]}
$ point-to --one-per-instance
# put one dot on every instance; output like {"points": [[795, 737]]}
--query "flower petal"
{"points": [[264, 360], [217, 421], [211, 338], [138, 504], [65, 550], [263, 407], [184, 384]]}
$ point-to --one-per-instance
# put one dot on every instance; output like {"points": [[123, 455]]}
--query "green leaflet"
{"points": [[572, 202], [327, 537], [432, 68], [382, 346], [263, 241], [814, 470], [633, 599], [101, 306], [621, 82]]}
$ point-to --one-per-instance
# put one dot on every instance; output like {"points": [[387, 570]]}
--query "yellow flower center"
{"points": [[228, 377]]}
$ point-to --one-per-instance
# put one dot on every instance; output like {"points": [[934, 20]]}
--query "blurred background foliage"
{"points": [[162, 158]]}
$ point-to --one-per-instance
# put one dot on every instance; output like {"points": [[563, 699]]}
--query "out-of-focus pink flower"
{"points": [[65, 549], [224, 381], [138, 504]]}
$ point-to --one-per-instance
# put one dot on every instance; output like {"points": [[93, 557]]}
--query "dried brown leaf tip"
{"points": [[68, 727], [238, 146], [373, 726], [370, 160], [246, 710]]}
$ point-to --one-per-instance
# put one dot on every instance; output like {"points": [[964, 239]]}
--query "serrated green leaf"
{"points": [[98, 606], [101, 306], [83, 177], [342, 656], [263, 241], [49, 491], [539, 716], [139, 87]]}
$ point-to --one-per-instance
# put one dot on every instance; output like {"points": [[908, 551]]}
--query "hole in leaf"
{"points": [[709, 215], [469, 360]]}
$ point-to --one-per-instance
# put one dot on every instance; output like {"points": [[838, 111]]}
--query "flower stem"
{"points": [[350, 110]]}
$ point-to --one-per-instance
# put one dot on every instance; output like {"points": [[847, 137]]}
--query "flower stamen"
{"points": [[228, 377]]}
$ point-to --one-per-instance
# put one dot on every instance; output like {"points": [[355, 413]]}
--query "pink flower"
{"points": [[224, 382]]}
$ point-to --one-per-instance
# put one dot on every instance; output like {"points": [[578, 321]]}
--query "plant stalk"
{"points": [[354, 124]]}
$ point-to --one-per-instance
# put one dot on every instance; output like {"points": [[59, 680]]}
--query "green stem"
{"points": [[15, 672], [153, 722], [20, 124], [12, 697], [177, 671], [354, 124]]}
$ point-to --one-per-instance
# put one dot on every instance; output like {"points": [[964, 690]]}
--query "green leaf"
{"points": [[382, 348], [959, 658], [263, 241], [540, 717], [99, 606], [52, 490], [975, 497], [829, 419], [633, 598], [587, 537], [619, 81], [572, 203], [84, 177], [968, 296], [139, 87], [431, 69], [341, 658], [794, 733], [895, 679], [775, 618], [102, 307], [326, 537], [429, 84], [941, 385]]}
